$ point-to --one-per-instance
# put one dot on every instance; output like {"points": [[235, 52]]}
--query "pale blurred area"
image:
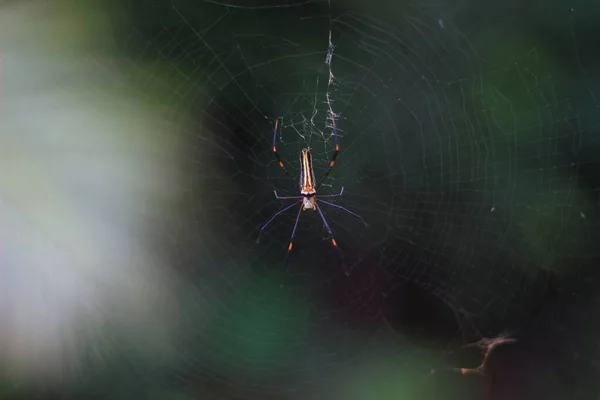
{"points": [[88, 173]]}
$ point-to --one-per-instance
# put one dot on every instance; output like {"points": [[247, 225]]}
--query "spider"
{"points": [[308, 191]]}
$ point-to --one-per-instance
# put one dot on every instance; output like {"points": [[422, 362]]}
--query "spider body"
{"points": [[307, 181], [309, 202], [308, 190], [307, 173]]}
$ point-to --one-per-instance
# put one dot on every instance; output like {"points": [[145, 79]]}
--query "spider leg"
{"points": [[333, 157], [333, 242], [333, 195], [291, 245], [278, 213], [286, 197], [344, 209], [279, 162]]}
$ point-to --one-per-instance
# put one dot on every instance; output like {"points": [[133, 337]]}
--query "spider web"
{"points": [[470, 153]]}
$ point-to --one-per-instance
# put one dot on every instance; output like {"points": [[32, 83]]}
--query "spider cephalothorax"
{"points": [[309, 203]]}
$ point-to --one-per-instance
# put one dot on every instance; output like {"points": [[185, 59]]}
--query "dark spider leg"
{"points": [[333, 157], [291, 245], [286, 197], [275, 216], [333, 242], [275, 149], [332, 195], [344, 209]]}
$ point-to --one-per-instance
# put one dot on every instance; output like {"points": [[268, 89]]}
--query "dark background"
{"points": [[469, 142]]}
